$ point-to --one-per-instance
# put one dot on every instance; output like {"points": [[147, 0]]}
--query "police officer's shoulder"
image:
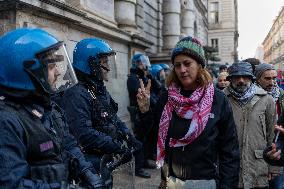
{"points": [[9, 117], [76, 91]]}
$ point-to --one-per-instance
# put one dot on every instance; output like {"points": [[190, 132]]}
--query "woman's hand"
{"points": [[143, 96]]}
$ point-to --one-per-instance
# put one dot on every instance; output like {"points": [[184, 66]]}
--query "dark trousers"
{"points": [[277, 182]]}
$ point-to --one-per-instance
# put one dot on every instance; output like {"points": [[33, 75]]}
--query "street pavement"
{"points": [[151, 183], [124, 178]]}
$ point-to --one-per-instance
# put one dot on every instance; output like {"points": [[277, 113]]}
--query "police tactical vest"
{"points": [[104, 111], [44, 142]]}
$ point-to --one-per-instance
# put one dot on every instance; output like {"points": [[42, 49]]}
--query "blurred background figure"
{"points": [[159, 74], [166, 68], [223, 68], [222, 81], [253, 62]]}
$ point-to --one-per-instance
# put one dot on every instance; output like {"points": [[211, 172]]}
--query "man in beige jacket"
{"points": [[254, 115]]}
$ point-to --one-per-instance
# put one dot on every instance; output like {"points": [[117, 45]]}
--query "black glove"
{"points": [[93, 181]]}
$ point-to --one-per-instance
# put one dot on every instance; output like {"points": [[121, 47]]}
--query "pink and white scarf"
{"points": [[197, 108]]}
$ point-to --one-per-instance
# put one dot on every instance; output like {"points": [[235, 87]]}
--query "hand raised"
{"points": [[274, 154], [143, 96]]}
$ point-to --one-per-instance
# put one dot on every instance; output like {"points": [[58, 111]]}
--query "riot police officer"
{"points": [[90, 109], [36, 147], [140, 69]]}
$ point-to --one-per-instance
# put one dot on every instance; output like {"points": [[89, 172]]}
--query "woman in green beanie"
{"points": [[197, 145]]}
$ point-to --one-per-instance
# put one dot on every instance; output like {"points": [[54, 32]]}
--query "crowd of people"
{"points": [[58, 120]]}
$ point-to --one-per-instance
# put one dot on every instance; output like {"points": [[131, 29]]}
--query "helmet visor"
{"points": [[145, 61], [59, 71]]}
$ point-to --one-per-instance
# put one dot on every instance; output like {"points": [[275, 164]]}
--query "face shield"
{"points": [[108, 65], [57, 69], [102, 65], [145, 61]]}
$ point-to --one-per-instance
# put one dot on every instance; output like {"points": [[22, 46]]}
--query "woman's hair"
{"points": [[223, 74], [203, 77]]}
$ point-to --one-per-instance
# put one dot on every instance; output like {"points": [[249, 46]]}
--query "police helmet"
{"points": [[87, 54], [155, 70], [32, 58], [141, 58]]}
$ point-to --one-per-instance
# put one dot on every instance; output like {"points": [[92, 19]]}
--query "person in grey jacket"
{"points": [[254, 115]]}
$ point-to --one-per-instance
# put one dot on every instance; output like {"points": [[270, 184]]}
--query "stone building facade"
{"points": [[223, 29], [129, 26], [273, 43]]}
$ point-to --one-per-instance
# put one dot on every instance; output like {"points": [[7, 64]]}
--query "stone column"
{"points": [[171, 23], [187, 18], [125, 14]]}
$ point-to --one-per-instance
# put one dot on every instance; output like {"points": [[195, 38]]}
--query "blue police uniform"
{"points": [[37, 150]]}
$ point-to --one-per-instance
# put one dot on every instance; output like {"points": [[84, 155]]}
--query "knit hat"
{"points": [[261, 68], [191, 47], [240, 69]]}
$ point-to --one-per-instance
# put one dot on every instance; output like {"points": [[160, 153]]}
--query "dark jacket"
{"points": [[133, 85], [35, 146], [93, 120], [280, 141], [213, 155]]}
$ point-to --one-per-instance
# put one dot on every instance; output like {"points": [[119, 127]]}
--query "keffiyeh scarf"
{"points": [[196, 108], [275, 93], [244, 97]]}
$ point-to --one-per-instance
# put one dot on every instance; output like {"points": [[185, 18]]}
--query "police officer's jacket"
{"points": [[92, 117], [35, 146]]}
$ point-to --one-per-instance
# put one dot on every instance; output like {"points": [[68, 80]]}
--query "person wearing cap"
{"points": [[253, 62], [254, 115], [197, 142], [266, 76]]}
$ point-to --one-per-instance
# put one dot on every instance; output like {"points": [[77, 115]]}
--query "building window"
{"points": [[214, 13], [214, 44]]}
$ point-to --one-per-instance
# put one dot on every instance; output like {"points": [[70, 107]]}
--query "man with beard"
{"points": [[266, 78], [254, 115]]}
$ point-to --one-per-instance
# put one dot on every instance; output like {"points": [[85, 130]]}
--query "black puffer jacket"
{"points": [[213, 155]]}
